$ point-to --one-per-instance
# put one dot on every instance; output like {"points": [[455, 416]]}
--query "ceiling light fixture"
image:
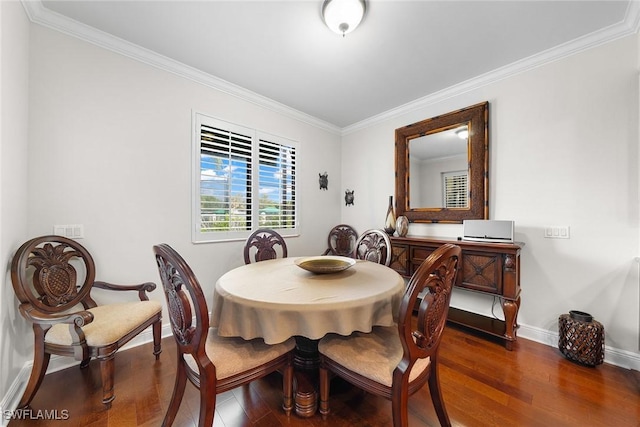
{"points": [[343, 16]]}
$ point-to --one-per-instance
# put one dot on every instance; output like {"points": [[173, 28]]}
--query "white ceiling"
{"points": [[403, 51]]}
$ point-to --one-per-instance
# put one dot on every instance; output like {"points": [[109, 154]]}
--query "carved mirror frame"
{"points": [[477, 119]]}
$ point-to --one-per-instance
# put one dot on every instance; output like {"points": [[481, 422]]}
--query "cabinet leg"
{"points": [[510, 309]]}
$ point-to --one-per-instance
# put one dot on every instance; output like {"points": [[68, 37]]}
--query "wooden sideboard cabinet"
{"points": [[489, 268]]}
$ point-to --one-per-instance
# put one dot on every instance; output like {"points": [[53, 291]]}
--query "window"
{"points": [[243, 180], [455, 189]]}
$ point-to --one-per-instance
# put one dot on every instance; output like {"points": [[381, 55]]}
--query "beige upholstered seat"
{"points": [[233, 356], [52, 276], [395, 362], [373, 355], [110, 323], [213, 364]]}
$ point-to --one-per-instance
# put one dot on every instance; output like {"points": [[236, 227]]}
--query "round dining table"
{"points": [[277, 299]]}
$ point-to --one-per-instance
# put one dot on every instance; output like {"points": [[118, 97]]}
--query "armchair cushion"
{"points": [[110, 323], [374, 355]]}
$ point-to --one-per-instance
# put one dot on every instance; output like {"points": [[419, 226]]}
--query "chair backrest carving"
{"points": [[342, 241], [437, 273], [186, 302], [374, 245], [264, 244], [54, 274]]}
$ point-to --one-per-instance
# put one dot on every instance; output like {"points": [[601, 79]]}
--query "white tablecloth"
{"points": [[276, 300]]}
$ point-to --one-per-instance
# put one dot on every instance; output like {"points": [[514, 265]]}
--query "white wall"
{"points": [[563, 151], [110, 148], [15, 338]]}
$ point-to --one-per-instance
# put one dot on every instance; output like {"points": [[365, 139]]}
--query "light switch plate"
{"points": [[557, 232], [72, 231]]}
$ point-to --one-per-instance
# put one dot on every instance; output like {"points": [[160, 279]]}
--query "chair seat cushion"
{"points": [[374, 355], [110, 323], [232, 355]]}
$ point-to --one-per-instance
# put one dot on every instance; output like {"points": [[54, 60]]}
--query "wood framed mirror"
{"points": [[442, 174]]}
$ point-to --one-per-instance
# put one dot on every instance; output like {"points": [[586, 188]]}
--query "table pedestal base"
{"points": [[306, 363]]}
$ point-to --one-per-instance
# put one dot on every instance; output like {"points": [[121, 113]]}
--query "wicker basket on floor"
{"points": [[581, 338]]}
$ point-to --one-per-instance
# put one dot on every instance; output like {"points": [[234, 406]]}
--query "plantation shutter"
{"points": [[276, 183], [225, 179], [456, 189]]}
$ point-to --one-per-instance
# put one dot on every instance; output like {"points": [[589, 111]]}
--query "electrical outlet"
{"points": [[72, 231], [557, 232]]}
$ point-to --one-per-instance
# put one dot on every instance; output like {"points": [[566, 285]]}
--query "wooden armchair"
{"points": [[264, 244], [374, 245], [52, 276], [395, 362], [212, 363], [342, 241]]}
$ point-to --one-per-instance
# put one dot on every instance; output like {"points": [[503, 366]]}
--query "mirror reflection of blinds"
{"points": [[456, 189], [277, 184], [225, 183]]}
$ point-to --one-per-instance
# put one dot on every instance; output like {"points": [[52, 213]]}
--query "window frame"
{"points": [[198, 236]]}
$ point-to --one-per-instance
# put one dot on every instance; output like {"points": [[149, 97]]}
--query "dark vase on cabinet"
{"points": [[390, 220]]}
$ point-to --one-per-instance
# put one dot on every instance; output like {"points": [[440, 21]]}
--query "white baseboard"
{"points": [[614, 356], [11, 399]]}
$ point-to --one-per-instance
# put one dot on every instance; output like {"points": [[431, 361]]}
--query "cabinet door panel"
{"points": [[400, 259], [482, 272]]}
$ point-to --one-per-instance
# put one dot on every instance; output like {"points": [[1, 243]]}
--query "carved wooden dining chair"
{"points": [[53, 277], [395, 362], [264, 244], [374, 245], [342, 241], [212, 363]]}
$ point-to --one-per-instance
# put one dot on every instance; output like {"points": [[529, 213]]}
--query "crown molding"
{"points": [[630, 25], [632, 19], [39, 14]]}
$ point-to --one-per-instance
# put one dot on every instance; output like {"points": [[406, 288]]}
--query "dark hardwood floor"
{"points": [[483, 385]]}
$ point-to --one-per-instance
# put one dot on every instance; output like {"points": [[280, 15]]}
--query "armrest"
{"points": [[76, 320], [142, 288], [79, 318]]}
